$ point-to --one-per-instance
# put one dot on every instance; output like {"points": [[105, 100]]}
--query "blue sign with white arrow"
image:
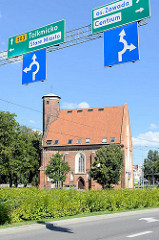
{"points": [[34, 67], [121, 45]]}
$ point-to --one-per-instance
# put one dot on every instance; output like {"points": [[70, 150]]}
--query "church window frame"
{"points": [[80, 163]]}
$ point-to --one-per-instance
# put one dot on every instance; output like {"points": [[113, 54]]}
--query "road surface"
{"points": [[143, 224]]}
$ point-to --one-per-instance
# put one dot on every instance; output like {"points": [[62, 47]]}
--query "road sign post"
{"points": [[119, 13], [121, 45], [34, 40], [34, 67]]}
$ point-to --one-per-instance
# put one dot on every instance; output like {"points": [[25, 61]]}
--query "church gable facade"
{"points": [[78, 134]]}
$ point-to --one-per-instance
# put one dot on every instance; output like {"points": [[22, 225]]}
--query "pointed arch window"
{"points": [[80, 163]]}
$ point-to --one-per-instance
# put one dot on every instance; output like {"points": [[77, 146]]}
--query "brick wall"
{"points": [[51, 109]]}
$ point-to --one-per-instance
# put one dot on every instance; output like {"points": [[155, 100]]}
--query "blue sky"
{"points": [[77, 73]]}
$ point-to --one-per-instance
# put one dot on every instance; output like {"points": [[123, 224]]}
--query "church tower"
{"points": [[51, 110]]}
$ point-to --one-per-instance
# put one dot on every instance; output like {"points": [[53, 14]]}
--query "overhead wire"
{"points": [[19, 105], [78, 123]]}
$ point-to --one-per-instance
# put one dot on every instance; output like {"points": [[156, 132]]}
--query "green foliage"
{"points": [[8, 136], [151, 166], [4, 214], [19, 152], [106, 169], [58, 168], [28, 154], [34, 204]]}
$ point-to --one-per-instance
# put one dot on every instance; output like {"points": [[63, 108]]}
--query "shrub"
{"points": [[34, 204], [4, 214]]}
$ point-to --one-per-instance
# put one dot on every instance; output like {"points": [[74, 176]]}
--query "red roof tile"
{"points": [[95, 125]]}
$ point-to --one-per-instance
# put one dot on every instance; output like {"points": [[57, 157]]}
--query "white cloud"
{"points": [[83, 105], [32, 121], [0, 15], [153, 126], [67, 105], [37, 130], [147, 139]]}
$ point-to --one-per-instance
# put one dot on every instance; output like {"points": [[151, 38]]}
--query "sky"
{"points": [[77, 73]]}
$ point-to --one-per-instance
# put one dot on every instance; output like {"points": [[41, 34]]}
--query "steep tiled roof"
{"points": [[95, 123]]}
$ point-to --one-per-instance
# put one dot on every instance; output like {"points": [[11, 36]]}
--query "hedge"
{"points": [[17, 205]]}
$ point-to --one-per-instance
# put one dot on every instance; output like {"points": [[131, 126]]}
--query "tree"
{"points": [[28, 153], [57, 168], [106, 168], [151, 166], [8, 137], [19, 152]]}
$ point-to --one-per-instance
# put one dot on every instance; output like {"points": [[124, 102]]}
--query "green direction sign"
{"points": [[119, 13], [43, 37]]}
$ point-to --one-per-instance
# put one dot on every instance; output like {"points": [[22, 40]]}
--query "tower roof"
{"points": [[51, 95]]}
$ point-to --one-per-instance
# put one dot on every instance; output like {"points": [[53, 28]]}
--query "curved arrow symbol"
{"points": [[34, 62], [130, 47]]}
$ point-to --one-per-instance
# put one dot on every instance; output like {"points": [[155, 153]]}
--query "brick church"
{"points": [[77, 134]]}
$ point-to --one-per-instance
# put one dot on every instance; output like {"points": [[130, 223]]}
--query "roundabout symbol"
{"points": [[34, 67], [130, 47], [121, 45], [34, 62]]}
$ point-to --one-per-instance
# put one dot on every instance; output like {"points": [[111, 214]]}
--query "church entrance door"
{"points": [[81, 184]]}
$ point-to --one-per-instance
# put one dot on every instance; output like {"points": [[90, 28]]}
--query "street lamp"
{"points": [[143, 175]]}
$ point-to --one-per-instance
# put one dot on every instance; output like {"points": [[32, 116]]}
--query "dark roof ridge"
{"points": [[74, 109], [51, 95]]}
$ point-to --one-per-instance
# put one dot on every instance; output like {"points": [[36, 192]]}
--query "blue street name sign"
{"points": [[34, 67], [121, 45]]}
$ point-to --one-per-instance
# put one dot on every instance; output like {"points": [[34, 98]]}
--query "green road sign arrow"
{"points": [[119, 13], [34, 40]]}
